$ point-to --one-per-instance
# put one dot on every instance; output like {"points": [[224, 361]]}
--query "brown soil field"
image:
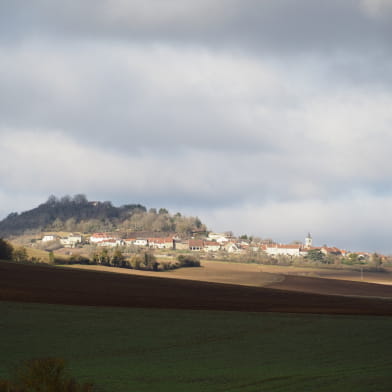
{"points": [[284, 278], [216, 272], [56, 285], [332, 287], [341, 273]]}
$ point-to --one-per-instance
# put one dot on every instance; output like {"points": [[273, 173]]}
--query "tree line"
{"points": [[144, 260]]}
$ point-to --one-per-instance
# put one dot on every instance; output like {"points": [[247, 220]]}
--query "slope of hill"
{"points": [[78, 214]]}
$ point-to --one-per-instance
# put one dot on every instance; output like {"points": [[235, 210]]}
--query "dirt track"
{"points": [[36, 283]]}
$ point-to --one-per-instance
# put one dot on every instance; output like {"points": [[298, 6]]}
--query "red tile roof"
{"points": [[196, 243]]}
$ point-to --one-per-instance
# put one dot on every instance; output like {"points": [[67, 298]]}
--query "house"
{"points": [[331, 251], [195, 245], [231, 247], [181, 245], [211, 246], [99, 237], [285, 250], [49, 237], [161, 243], [218, 238], [243, 245], [71, 241], [344, 252], [257, 248], [111, 243], [140, 242], [361, 255]]}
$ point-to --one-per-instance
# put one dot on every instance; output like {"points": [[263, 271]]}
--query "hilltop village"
{"points": [[209, 243], [76, 227], [204, 245]]}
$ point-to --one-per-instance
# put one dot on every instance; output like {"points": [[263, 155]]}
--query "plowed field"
{"points": [[39, 283]]}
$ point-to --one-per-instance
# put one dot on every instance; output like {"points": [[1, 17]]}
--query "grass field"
{"points": [[125, 350]]}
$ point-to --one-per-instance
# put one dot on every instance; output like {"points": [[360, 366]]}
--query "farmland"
{"points": [[46, 284], [127, 350], [333, 281], [144, 333]]}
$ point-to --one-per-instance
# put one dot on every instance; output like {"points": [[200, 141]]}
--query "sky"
{"points": [[270, 118]]}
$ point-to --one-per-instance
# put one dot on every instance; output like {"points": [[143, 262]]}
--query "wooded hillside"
{"points": [[78, 214]]}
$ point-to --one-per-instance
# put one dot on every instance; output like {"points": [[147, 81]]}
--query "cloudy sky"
{"points": [[265, 117]]}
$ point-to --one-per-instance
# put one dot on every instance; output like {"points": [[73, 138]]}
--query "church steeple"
{"points": [[308, 241]]}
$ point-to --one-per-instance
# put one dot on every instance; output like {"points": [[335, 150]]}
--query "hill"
{"points": [[78, 214]]}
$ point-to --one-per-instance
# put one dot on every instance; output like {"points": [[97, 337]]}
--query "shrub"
{"points": [[166, 266], [144, 261], [36, 260], [74, 259], [20, 255], [188, 261], [43, 375], [78, 259], [136, 262]]}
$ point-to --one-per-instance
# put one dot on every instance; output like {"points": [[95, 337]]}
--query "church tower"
{"points": [[308, 241]]}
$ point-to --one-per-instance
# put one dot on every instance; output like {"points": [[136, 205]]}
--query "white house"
{"points": [[140, 242], [218, 238], [231, 247], [49, 237], [285, 250], [99, 237], [111, 243], [161, 243], [211, 246], [71, 241]]}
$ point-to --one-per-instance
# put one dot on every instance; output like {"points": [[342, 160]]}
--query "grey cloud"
{"points": [[272, 26], [198, 177], [142, 98], [359, 223], [259, 116], [278, 134]]}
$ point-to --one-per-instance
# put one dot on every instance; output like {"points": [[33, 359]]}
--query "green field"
{"points": [[125, 350]]}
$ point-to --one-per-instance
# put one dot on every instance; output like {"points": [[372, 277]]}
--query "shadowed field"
{"points": [[39, 283], [169, 350]]}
